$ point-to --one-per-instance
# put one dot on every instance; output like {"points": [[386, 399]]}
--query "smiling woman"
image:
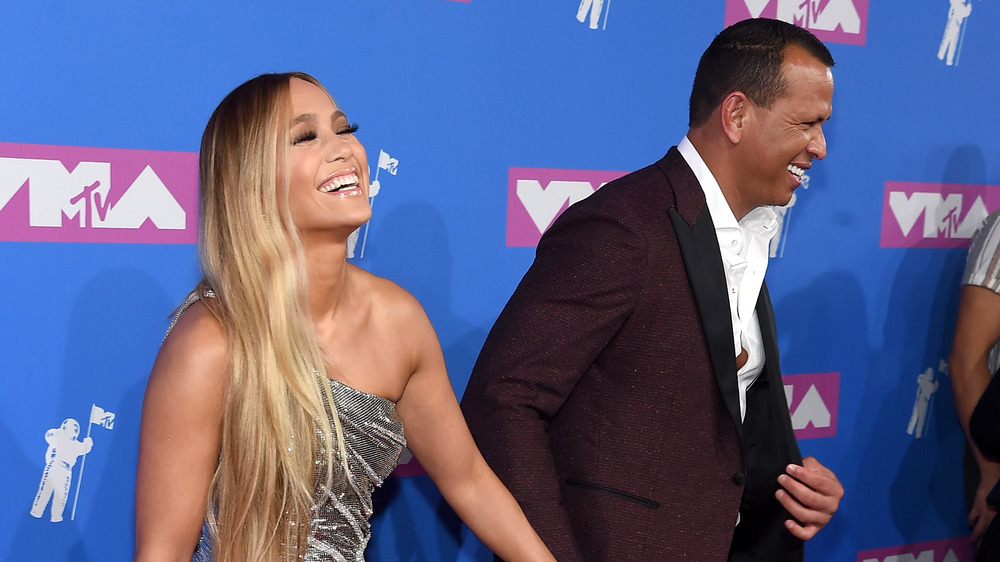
{"points": [[327, 166], [278, 399]]}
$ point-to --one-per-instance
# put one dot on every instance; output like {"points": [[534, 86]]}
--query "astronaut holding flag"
{"points": [[951, 44], [389, 164], [594, 7], [60, 457]]}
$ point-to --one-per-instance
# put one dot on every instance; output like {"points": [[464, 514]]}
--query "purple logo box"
{"points": [[948, 550], [536, 196], [934, 215], [409, 468], [813, 401], [834, 21], [103, 195]]}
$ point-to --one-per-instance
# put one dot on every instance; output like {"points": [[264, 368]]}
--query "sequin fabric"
{"points": [[373, 439]]}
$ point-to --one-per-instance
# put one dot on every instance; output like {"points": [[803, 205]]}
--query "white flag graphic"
{"points": [[101, 417], [387, 163]]}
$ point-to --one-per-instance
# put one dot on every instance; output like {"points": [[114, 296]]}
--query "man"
{"points": [[629, 395]]}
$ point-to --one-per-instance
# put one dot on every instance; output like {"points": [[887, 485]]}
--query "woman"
{"points": [[278, 398], [975, 356]]}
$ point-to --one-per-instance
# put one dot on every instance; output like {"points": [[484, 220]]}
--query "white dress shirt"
{"points": [[744, 248]]}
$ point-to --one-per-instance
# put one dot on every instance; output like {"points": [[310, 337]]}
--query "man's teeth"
{"points": [[796, 171], [340, 182]]}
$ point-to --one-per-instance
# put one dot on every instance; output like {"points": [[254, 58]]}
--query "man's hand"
{"points": [[811, 495], [982, 513]]}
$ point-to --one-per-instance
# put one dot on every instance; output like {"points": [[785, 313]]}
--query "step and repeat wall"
{"points": [[482, 121]]}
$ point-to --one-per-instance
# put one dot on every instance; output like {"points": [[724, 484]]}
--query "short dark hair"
{"points": [[747, 57]]}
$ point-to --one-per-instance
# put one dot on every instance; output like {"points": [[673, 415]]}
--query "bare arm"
{"points": [[179, 438], [437, 435], [977, 328]]}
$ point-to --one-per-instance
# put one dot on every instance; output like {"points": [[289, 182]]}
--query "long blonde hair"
{"points": [[277, 414]]}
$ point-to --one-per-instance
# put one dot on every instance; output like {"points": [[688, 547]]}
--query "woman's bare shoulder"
{"points": [[390, 300], [398, 320], [399, 299], [195, 351]]}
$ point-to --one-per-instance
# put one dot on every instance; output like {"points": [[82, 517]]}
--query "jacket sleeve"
{"points": [[580, 289], [984, 425]]}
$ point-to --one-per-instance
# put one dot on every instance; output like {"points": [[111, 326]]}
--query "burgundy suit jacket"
{"points": [[605, 396]]}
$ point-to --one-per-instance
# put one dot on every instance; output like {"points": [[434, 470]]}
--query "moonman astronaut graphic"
{"points": [[595, 7], [957, 13], [60, 457], [391, 165], [926, 387], [352, 239]]}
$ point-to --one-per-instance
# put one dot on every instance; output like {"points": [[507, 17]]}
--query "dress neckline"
{"points": [[336, 382]]}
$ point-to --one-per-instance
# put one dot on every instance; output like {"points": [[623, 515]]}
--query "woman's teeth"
{"points": [[339, 183]]}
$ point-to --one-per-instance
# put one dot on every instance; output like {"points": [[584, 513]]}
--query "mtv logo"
{"points": [[102, 417], [83, 194], [934, 215], [812, 401], [948, 550], [835, 21], [387, 163], [537, 196]]}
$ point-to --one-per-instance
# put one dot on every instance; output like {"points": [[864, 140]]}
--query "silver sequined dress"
{"points": [[373, 439]]}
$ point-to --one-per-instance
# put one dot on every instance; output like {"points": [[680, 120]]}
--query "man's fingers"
{"points": [[811, 494], [799, 531]]}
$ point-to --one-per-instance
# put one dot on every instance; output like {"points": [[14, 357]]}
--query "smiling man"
{"points": [[630, 394]]}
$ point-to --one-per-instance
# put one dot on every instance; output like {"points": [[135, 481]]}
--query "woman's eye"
{"points": [[304, 137], [349, 130]]}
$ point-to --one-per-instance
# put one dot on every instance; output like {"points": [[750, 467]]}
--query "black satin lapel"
{"points": [[768, 333], [703, 261], [772, 369]]}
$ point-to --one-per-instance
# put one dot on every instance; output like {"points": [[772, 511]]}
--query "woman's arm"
{"points": [[977, 328], [437, 435], [179, 438]]}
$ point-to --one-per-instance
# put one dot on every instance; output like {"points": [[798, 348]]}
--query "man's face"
{"points": [[781, 142]]}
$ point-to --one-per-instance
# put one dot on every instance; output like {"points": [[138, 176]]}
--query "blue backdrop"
{"points": [[467, 101]]}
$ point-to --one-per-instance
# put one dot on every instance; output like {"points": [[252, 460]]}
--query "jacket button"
{"points": [[739, 479]]}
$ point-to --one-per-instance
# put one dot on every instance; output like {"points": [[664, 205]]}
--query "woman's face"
{"points": [[327, 166]]}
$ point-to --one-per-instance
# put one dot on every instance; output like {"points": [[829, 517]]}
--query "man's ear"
{"points": [[734, 112]]}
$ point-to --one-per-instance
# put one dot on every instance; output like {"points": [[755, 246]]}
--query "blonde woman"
{"points": [[279, 397]]}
